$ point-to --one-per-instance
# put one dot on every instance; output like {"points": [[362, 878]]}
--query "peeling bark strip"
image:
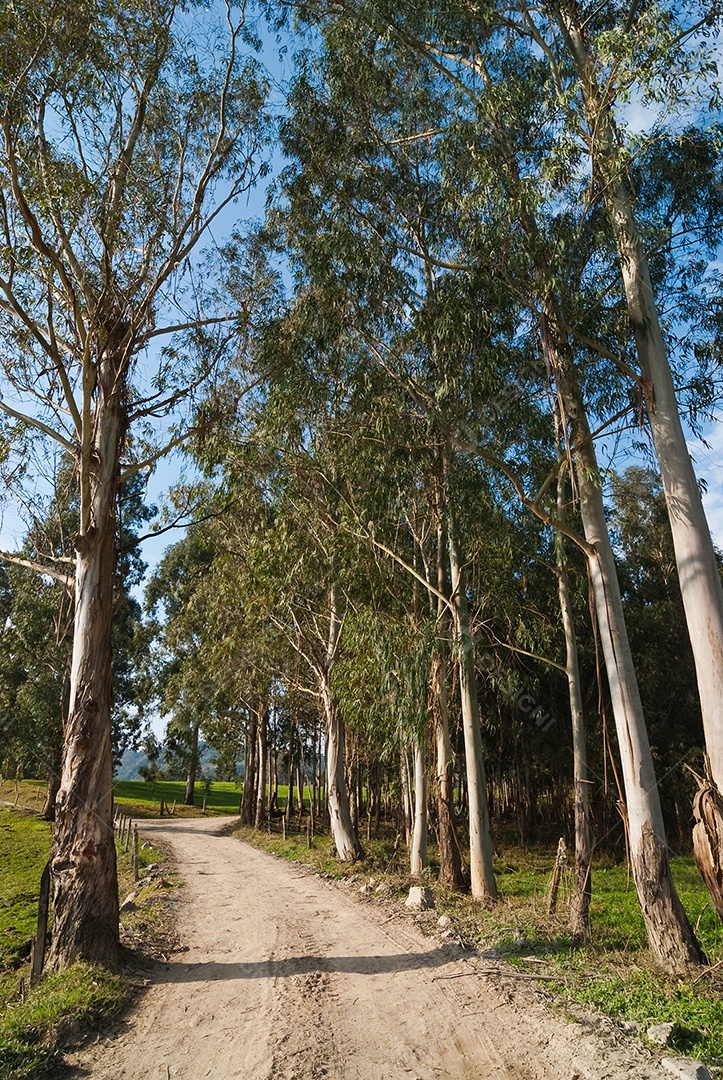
{"points": [[83, 862], [708, 840]]}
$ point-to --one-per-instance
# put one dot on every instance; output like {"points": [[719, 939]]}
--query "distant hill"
{"points": [[133, 760], [130, 765]]}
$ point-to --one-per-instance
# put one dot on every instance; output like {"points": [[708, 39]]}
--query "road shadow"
{"points": [[213, 971]]}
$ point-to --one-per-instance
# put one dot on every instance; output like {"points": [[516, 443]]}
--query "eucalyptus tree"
{"points": [[661, 53], [126, 129], [176, 678], [468, 53], [274, 463], [595, 60], [38, 633], [404, 314]]}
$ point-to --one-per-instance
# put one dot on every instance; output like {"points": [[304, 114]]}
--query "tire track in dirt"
{"points": [[287, 977]]}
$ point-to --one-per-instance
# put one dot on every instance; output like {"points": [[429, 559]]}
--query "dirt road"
{"points": [[290, 977]]}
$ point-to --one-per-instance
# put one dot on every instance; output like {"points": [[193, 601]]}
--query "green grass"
{"points": [[24, 850], [30, 1030], [142, 798], [32, 1026]]}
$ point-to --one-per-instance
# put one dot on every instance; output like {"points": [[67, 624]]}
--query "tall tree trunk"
{"points": [[192, 768], [450, 858], [582, 883], [698, 574], [353, 789], [262, 759], [83, 862], [300, 789], [290, 760], [418, 849], [345, 836], [482, 876], [248, 801], [405, 782], [669, 932], [274, 781]]}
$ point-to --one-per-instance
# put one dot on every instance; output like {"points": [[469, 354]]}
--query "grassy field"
{"points": [[142, 799]]}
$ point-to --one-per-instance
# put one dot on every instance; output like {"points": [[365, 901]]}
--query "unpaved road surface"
{"points": [[289, 976]]}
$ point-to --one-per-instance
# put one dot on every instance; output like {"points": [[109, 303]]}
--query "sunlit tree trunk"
{"points": [[192, 768], [83, 863], [248, 799], [262, 759], [450, 859], [669, 932], [698, 573], [582, 884], [418, 849], [345, 835], [482, 876]]}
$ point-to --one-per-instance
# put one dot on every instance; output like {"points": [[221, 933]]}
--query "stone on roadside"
{"points": [[660, 1033], [632, 1027], [685, 1069], [444, 921], [129, 903], [419, 899]]}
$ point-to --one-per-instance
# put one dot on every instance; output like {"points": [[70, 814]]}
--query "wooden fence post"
{"points": [[135, 853], [37, 952]]}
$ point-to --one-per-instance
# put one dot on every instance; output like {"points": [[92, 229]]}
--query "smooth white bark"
{"points": [[482, 875], [698, 574], [418, 851], [669, 931]]}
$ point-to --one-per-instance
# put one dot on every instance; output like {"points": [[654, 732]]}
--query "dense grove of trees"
{"points": [[448, 565]]}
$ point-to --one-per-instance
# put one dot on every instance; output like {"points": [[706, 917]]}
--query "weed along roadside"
{"points": [[41, 1017]]}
